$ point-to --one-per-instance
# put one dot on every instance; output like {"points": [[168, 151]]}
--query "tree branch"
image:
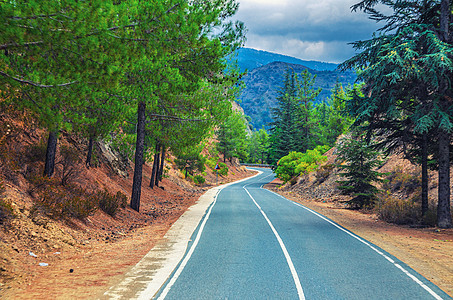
{"points": [[36, 84]]}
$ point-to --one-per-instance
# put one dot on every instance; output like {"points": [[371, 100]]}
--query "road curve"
{"points": [[255, 244]]}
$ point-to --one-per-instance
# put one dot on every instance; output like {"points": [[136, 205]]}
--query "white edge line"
{"points": [[184, 262], [300, 291], [189, 254], [415, 279]]}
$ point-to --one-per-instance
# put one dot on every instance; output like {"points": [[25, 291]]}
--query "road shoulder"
{"points": [[146, 278]]}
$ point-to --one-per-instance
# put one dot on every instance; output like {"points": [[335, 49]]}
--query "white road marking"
{"points": [[300, 291], [415, 279], [189, 253]]}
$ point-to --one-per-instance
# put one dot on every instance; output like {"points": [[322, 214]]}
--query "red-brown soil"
{"points": [[82, 258]]}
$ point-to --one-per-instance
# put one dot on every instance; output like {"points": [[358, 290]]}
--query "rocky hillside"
{"points": [[262, 85]]}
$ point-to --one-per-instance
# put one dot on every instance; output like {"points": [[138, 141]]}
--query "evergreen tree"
{"points": [[407, 69], [232, 137], [305, 125], [358, 160], [258, 145]]}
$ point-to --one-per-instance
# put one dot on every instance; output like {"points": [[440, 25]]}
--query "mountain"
{"points": [[262, 85], [249, 59]]}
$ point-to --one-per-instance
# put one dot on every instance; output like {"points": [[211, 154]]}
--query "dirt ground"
{"points": [[429, 251], [83, 259]]}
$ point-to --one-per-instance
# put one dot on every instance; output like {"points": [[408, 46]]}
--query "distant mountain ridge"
{"points": [[263, 83], [249, 59]]}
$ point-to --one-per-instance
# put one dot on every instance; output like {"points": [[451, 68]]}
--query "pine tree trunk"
{"points": [[156, 172], [162, 162], [51, 152], [424, 174], [90, 152], [445, 14], [443, 205], [139, 150], [155, 166]]}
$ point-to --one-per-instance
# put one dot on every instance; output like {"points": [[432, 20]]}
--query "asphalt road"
{"points": [[255, 244]]}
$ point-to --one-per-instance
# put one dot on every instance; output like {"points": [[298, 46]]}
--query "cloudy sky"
{"points": [[306, 29]]}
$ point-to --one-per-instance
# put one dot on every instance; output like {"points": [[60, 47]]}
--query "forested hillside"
{"points": [[263, 83], [249, 59]]}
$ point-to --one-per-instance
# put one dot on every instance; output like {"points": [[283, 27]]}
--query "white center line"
{"points": [[300, 291]]}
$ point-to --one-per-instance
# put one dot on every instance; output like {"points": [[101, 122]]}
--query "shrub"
{"points": [[398, 180], [223, 169], [398, 211], [69, 161], [35, 152], [297, 163], [111, 203], [198, 179], [358, 160], [63, 202]]}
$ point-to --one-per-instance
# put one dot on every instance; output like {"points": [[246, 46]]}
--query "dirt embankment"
{"points": [[66, 258]]}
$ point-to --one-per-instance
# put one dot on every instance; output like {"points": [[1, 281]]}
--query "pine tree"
{"points": [[358, 160], [407, 69]]}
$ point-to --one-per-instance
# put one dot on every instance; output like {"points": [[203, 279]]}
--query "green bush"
{"points": [[297, 163], [198, 179], [109, 203], [398, 211], [223, 169]]}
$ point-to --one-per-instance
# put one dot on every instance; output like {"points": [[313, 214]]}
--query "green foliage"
{"points": [[358, 160], [258, 144], [198, 179], [407, 70], [331, 118], [223, 169], [109, 203], [190, 160], [297, 163], [232, 137], [298, 125]]}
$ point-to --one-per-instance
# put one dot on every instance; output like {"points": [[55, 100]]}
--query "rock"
{"points": [[71, 270]]}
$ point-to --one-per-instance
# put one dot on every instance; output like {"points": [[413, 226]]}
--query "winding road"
{"points": [[241, 241], [255, 244]]}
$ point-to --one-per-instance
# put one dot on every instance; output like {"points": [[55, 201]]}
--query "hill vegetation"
{"points": [[249, 59], [262, 85]]}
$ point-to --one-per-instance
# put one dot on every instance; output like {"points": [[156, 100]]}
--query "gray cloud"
{"points": [[308, 29]]}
